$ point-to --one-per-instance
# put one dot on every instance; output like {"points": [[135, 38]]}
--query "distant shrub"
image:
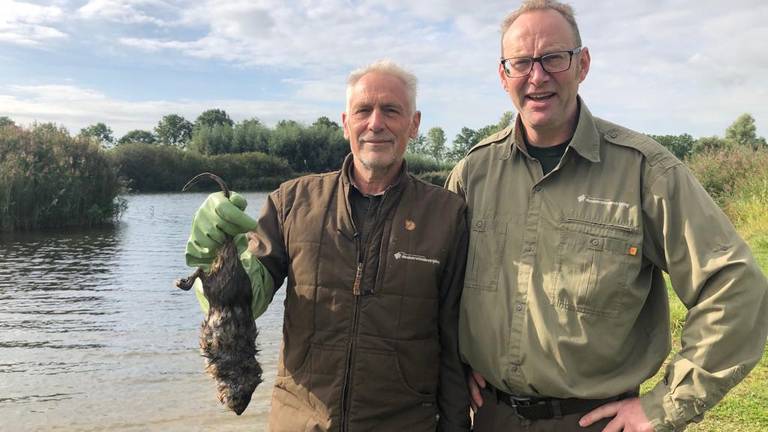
{"points": [[49, 179], [156, 168], [435, 177], [721, 171], [251, 171], [419, 163], [162, 168]]}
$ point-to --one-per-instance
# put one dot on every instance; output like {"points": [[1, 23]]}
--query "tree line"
{"points": [[321, 146], [315, 148], [49, 178]]}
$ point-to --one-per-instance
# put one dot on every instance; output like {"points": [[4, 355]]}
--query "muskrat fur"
{"points": [[228, 332]]}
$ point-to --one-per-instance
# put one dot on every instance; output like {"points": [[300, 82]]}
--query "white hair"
{"points": [[390, 68]]}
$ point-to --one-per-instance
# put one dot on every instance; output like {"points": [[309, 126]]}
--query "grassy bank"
{"points": [[739, 182]]}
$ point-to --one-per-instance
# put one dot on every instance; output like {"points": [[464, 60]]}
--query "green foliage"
{"points": [[211, 140], [468, 138], [506, 119], [174, 130], [5, 121], [419, 163], [435, 177], [250, 135], [743, 132], [324, 121], [465, 140], [50, 180], [213, 117], [680, 145], [747, 204], [436, 143], [153, 168], [709, 144], [418, 145], [318, 148], [99, 133], [251, 171], [139, 136], [721, 172]]}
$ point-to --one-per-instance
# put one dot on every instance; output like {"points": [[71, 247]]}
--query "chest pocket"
{"points": [[593, 265], [486, 246]]}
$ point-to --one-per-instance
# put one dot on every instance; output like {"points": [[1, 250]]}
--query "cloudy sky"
{"points": [[658, 66]]}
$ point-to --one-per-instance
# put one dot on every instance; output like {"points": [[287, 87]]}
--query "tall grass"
{"points": [[49, 180], [737, 178]]}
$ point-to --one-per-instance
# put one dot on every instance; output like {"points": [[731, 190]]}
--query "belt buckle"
{"points": [[518, 402]]}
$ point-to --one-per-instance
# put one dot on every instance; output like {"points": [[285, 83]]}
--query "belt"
{"points": [[547, 408]]}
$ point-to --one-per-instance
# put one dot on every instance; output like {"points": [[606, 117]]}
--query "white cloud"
{"points": [[658, 66], [77, 107], [319, 34], [690, 68], [29, 24], [125, 11]]}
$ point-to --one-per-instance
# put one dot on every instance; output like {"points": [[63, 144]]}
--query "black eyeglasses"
{"points": [[558, 61]]}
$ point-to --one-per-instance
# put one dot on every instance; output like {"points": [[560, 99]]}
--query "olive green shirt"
{"points": [[564, 294]]}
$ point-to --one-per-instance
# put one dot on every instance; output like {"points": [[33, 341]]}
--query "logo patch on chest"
{"points": [[602, 201], [412, 257]]}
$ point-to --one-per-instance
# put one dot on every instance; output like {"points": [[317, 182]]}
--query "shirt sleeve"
{"points": [[714, 274], [453, 396]]}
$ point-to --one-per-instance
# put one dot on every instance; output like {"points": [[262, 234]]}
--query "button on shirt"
{"points": [[564, 294]]}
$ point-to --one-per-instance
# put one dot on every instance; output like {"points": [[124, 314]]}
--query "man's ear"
{"points": [[415, 121], [584, 61], [503, 77], [344, 125]]}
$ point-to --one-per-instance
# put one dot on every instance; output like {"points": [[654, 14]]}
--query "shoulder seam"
{"points": [[653, 152], [491, 139]]}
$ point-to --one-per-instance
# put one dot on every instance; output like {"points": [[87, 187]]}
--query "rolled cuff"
{"points": [[660, 409]]}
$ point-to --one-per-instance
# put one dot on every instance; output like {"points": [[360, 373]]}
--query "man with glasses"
{"points": [[374, 260], [573, 219]]}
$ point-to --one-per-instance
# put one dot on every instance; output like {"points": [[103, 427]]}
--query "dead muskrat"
{"points": [[228, 333]]}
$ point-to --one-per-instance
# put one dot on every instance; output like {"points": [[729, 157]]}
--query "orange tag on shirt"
{"points": [[632, 250]]}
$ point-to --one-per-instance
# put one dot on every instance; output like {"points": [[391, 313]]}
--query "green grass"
{"points": [[745, 407]]}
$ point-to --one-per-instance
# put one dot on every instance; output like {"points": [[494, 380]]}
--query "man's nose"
{"points": [[538, 75], [376, 121]]}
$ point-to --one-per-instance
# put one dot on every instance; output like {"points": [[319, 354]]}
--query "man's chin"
{"points": [[378, 163]]}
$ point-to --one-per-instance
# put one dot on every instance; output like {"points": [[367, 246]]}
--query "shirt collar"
{"points": [[585, 140]]}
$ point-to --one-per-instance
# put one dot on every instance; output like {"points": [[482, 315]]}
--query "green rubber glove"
{"points": [[213, 221]]}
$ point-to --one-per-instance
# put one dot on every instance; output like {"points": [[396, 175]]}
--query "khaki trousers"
{"points": [[497, 416]]}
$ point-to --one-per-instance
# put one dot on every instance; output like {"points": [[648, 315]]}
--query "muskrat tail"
{"points": [[187, 282]]}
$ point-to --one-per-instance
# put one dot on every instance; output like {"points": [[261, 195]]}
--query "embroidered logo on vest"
{"points": [[411, 257]]}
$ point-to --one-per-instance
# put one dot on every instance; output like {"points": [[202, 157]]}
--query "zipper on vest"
{"points": [[358, 280], [359, 272], [345, 389], [346, 392]]}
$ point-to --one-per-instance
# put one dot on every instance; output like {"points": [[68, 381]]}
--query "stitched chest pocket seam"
{"points": [[486, 248], [592, 267]]}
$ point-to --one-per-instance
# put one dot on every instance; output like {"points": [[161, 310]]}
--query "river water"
{"points": [[94, 336]]}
